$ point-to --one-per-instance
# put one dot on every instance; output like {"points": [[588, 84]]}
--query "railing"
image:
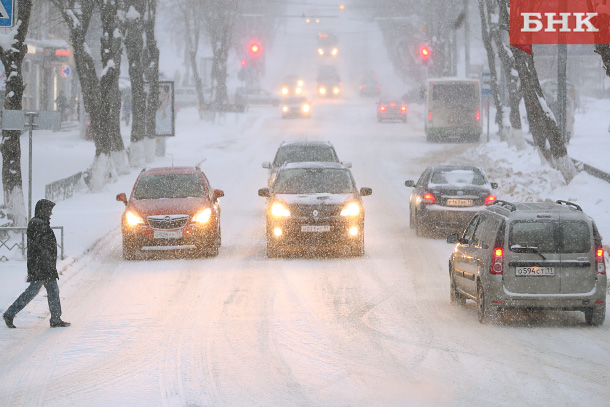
{"points": [[15, 238], [67, 187]]}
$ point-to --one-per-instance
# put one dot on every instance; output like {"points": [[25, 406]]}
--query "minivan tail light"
{"points": [[490, 199], [428, 198], [430, 116], [478, 114], [497, 260], [599, 261]]}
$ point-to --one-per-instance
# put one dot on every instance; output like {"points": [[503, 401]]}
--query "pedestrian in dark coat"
{"points": [[42, 266]]}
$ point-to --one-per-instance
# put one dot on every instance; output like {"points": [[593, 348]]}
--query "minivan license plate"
{"points": [[168, 234], [315, 228], [534, 271]]}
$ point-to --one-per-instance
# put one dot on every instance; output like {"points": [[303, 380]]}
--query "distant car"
{"points": [[171, 206], [370, 87], [329, 81], [292, 86], [187, 96], [302, 151], [296, 107], [328, 45], [257, 96], [446, 197], [314, 206], [530, 256], [391, 109]]}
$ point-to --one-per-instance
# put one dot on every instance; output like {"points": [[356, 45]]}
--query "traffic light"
{"points": [[424, 54], [254, 49]]}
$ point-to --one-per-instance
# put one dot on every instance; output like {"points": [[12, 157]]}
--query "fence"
{"points": [[15, 238], [67, 187]]}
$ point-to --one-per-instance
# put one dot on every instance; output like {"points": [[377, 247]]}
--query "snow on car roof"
{"points": [[315, 164], [169, 170]]}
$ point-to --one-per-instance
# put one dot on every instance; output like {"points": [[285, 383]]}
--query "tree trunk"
{"points": [[151, 72], [134, 46], [542, 123], [491, 62], [10, 147]]}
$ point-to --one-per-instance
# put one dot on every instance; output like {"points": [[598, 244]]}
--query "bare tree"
{"points": [[220, 16], [543, 126], [12, 57], [602, 37], [151, 75], [192, 19], [134, 47], [101, 94], [486, 31]]}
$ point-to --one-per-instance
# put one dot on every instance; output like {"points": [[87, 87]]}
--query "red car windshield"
{"points": [[169, 186]]}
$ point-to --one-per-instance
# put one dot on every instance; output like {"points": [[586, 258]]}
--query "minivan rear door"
{"points": [[578, 274], [534, 264]]}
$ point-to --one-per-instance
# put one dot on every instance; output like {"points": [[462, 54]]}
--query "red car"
{"points": [[171, 206]]}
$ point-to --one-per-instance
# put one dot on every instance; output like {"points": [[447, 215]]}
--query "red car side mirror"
{"points": [[122, 198]]}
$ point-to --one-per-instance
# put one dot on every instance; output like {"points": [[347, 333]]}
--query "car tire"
{"points": [[430, 138], [129, 250], [455, 296], [595, 316], [483, 310], [272, 250], [357, 250], [419, 226]]}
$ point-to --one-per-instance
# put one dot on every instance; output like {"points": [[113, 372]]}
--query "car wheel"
{"points": [[419, 225], [595, 316], [129, 249], [272, 250], [430, 138], [456, 296], [357, 249], [483, 310], [411, 218]]}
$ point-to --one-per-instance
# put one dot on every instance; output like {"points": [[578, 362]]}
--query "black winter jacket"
{"points": [[42, 244]]}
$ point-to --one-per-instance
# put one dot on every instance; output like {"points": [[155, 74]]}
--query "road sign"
{"points": [[64, 71], [485, 91], [7, 13]]}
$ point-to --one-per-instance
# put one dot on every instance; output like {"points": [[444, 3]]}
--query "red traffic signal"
{"points": [[424, 53], [254, 49]]}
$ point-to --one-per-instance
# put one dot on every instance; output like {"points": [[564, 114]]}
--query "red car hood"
{"points": [[169, 206]]}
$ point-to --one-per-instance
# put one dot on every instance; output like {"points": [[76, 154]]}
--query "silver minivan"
{"points": [[534, 256]]}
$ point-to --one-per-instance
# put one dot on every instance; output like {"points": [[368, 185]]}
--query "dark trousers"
{"points": [[28, 295]]}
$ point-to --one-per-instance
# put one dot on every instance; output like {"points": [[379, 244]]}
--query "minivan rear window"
{"points": [[454, 93], [551, 236]]}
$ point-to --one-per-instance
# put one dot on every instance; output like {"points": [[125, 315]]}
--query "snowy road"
{"points": [[244, 330]]}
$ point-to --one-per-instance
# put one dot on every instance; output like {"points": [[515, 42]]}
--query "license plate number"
{"points": [[315, 228], [168, 234], [459, 202], [534, 271]]}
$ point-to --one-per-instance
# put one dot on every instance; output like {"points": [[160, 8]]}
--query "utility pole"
{"points": [[466, 40], [562, 62]]}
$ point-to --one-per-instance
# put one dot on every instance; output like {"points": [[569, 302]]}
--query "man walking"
{"points": [[42, 266]]}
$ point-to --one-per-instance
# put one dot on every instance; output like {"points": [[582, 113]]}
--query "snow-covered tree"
{"points": [[101, 94], [12, 51]]}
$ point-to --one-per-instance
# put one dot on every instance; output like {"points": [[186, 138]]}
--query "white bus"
{"points": [[453, 109]]}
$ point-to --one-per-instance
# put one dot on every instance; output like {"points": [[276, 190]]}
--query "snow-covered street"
{"points": [[241, 329]]}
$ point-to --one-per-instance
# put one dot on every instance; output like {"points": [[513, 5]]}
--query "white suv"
{"points": [[530, 256]]}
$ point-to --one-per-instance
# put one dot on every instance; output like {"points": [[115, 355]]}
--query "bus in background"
{"points": [[453, 109]]}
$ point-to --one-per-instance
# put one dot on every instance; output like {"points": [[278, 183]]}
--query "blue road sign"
{"points": [[7, 13], [485, 91]]}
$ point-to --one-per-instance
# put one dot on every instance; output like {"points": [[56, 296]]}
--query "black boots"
{"points": [[60, 324], [8, 321]]}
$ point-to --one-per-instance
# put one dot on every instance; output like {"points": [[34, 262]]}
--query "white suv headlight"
{"points": [[352, 209]]}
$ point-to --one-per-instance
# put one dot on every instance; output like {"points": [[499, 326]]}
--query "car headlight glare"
{"points": [[284, 91], [306, 108], [133, 219], [279, 210], [204, 216], [284, 108], [352, 209]]}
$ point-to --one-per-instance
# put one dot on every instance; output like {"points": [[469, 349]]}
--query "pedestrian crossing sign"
{"points": [[7, 13]]}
